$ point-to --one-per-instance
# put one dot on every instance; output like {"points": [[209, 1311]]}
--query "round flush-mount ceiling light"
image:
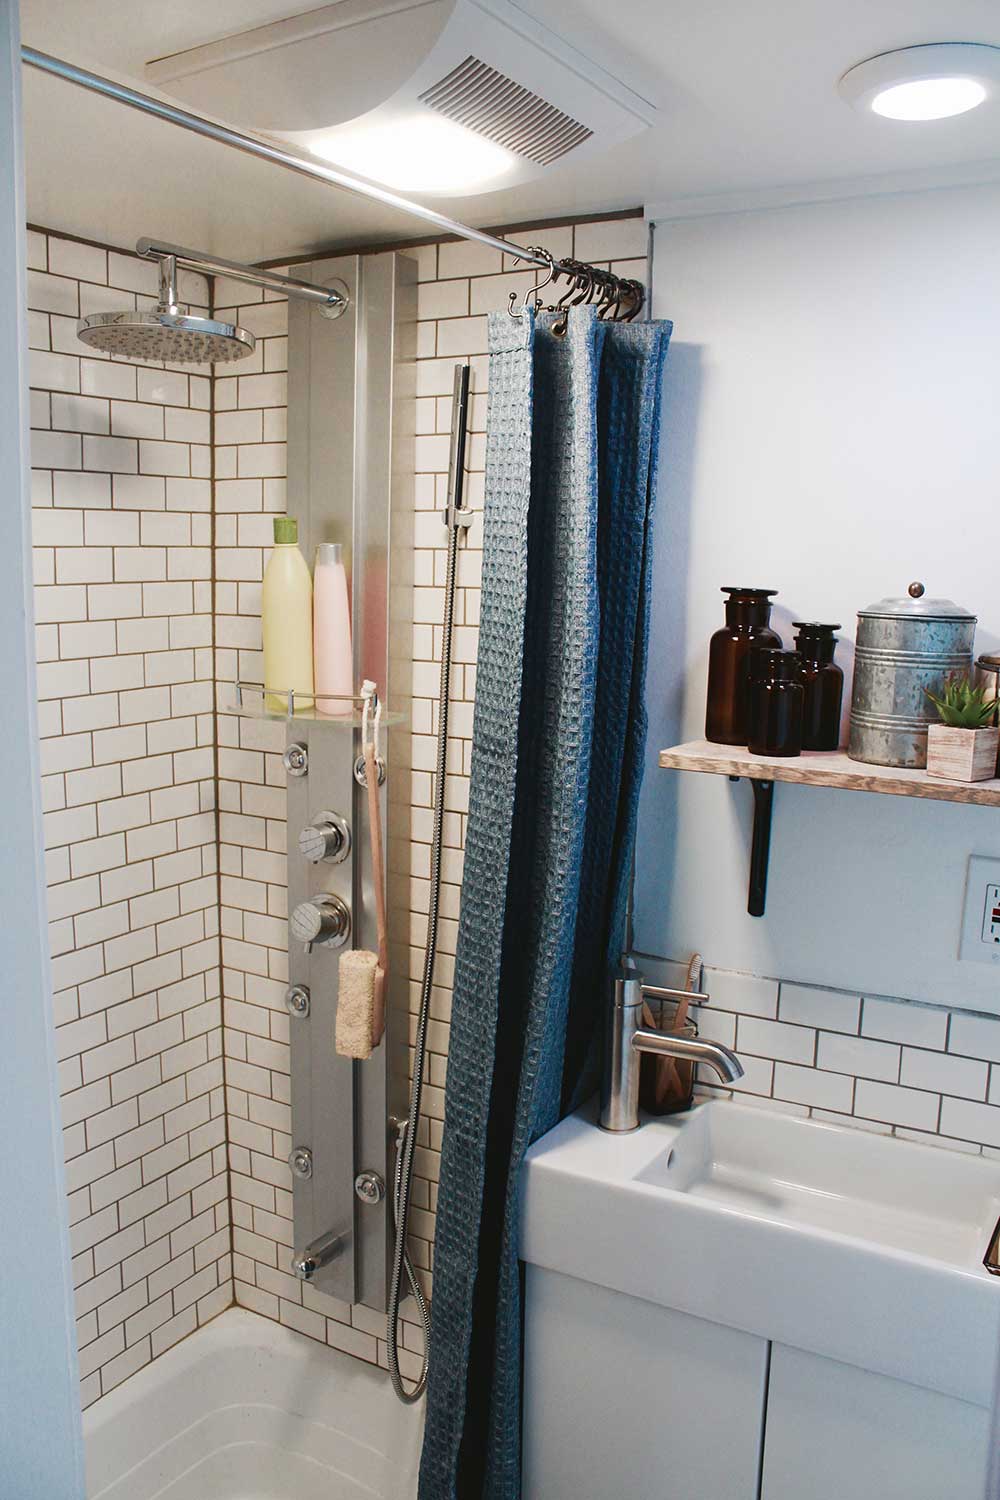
{"points": [[929, 82]]}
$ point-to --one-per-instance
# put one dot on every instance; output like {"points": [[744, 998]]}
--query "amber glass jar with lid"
{"points": [[776, 702], [748, 614], [823, 682]]}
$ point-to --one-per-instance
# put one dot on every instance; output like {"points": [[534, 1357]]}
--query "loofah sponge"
{"points": [[357, 1020]]}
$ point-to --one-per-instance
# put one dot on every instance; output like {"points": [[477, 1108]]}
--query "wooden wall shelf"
{"points": [[826, 768], [831, 768]]}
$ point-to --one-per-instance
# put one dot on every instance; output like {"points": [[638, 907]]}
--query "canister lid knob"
{"points": [[916, 605]]}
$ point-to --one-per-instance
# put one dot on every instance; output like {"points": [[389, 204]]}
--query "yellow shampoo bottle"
{"points": [[287, 620]]}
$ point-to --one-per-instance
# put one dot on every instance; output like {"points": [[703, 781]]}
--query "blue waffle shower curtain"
{"points": [[558, 740]]}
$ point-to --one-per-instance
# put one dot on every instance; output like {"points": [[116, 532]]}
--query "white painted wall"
{"points": [[40, 1444], [832, 430]]}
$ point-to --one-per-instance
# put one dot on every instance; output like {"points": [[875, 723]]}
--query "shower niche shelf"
{"points": [[251, 700], [826, 768]]}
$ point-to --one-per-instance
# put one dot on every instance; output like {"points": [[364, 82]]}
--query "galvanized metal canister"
{"points": [[906, 647]]}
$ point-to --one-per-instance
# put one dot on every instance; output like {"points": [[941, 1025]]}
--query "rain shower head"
{"points": [[167, 332], [170, 333]]}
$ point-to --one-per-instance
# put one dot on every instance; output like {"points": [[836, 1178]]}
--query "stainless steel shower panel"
{"points": [[350, 473], [322, 1084]]}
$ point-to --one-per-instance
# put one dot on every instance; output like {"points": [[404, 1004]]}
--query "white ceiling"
{"points": [[746, 94]]}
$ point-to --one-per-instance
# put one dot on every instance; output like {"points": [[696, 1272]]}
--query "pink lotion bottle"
{"points": [[333, 663]]}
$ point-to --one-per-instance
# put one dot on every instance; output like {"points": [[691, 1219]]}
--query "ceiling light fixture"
{"points": [[930, 82], [422, 153]]}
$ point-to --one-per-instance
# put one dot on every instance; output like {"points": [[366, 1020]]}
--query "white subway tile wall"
{"points": [[249, 491], [122, 500], [125, 635]]}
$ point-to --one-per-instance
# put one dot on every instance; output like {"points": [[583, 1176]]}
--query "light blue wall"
{"points": [[831, 430]]}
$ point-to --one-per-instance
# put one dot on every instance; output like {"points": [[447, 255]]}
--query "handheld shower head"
{"points": [[167, 332]]}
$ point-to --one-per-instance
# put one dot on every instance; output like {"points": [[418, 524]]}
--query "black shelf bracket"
{"points": [[760, 851]]}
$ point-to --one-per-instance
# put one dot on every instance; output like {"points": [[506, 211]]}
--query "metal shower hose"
{"points": [[402, 1265]]}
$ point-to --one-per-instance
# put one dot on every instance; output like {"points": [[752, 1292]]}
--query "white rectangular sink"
{"points": [[858, 1247], [835, 1180]]}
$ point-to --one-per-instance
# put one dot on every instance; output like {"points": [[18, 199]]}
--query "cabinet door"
{"points": [[624, 1398], [833, 1430]]}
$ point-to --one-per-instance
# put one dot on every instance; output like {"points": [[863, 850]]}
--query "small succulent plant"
{"points": [[962, 705]]}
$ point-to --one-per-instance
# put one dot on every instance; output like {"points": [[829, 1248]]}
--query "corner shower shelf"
{"points": [[829, 768], [251, 701]]}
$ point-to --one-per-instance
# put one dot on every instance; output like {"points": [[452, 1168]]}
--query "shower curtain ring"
{"points": [[580, 289], [637, 292], [531, 298]]}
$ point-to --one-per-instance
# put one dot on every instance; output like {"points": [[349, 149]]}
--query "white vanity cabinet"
{"points": [[741, 1305], [626, 1398], [833, 1430]]}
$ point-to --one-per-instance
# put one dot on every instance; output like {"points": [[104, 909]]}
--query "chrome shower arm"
{"points": [[291, 286]]}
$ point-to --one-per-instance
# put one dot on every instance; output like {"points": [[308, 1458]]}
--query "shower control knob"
{"points": [[324, 919], [327, 837]]}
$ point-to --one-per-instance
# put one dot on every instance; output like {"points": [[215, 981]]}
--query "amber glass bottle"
{"points": [[823, 682], [777, 698], [748, 612]]}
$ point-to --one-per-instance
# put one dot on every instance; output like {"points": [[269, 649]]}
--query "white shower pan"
{"points": [[247, 1410]]}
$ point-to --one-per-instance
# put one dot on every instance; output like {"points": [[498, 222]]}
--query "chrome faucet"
{"points": [[626, 1039], [305, 1263]]}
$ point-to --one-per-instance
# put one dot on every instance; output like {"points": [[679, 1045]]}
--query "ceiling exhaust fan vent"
{"points": [[437, 96], [488, 102]]}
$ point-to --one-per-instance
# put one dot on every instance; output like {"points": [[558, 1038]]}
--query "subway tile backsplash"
{"points": [[917, 1071]]}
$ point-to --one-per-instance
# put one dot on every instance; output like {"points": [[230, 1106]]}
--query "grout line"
{"points": [[502, 230], [214, 583]]}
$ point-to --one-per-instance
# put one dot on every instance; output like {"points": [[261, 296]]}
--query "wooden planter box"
{"points": [[962, 754]]}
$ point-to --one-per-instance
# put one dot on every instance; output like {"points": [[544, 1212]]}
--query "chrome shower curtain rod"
{"points": [[279, 155]]}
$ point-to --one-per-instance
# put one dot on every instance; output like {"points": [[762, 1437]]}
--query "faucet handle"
{"points": [[657, 992]]}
